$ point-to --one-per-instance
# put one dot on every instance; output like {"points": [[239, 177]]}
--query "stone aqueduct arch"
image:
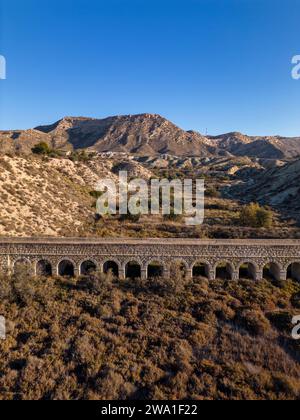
{"points": [[278, 259]]}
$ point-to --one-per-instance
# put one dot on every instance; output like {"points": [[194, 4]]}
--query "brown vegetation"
{"points": [[99, 338]]}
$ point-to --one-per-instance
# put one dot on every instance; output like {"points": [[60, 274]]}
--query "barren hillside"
{"points": [[145, 135], [46, 197], [42, 196], [260, 147], [278, 186]]}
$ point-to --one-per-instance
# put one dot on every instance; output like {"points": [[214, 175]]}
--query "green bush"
{"points": [[264, 217], [253, 215], [41, 149], [96, 194], [79, 156]]}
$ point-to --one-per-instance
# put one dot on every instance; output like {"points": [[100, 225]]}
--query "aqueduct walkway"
{"points": [[233, 259]]}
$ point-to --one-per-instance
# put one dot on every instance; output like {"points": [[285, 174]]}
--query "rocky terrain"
{"points": [[52, 197], [139, 134], [145, 135], [54, 194], [45, 196], [277, 186], [95, 337], [258, 147]]}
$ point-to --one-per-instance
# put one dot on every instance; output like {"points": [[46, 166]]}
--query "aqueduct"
{"points": [[231, 259]]}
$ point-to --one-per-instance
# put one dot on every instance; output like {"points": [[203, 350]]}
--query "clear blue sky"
{"points": [[224, 65]]}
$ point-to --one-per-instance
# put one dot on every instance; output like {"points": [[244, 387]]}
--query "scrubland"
{"points": [[55, 197], [98, 338]]}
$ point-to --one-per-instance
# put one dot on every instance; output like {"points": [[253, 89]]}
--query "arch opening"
{"points": [[224, 271], [44, 268], [247, 271], [271, 271], [88, 267], [111, 266], [201, 270], [66, 269], [155, 269], [293, 271], [133, 270]]}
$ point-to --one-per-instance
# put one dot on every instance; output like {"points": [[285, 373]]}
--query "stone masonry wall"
{"points": [[277, 254]]}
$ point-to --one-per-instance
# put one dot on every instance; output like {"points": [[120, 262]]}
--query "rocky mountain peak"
{"points": [[145, 135]]}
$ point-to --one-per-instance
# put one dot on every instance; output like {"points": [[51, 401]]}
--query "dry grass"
{"points": [[162, 339]]}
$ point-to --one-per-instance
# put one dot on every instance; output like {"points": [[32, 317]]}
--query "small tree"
{"points": [[41, 149], [264, 217], [247, 215], [253, 215]]}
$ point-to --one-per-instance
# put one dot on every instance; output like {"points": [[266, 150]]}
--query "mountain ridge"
{"points": [[145, 134]]}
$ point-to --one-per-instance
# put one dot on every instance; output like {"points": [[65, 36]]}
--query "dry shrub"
{"points": [[254, 322], [85, 349], [23, 285], [5, 287], [203, 335], [97, 282], [286, 386], [174, 284], [182, 356], [202, 283], [40, 373], [112, 386], [88, 354], [295, 300], [130, 310], [120, 340]]}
